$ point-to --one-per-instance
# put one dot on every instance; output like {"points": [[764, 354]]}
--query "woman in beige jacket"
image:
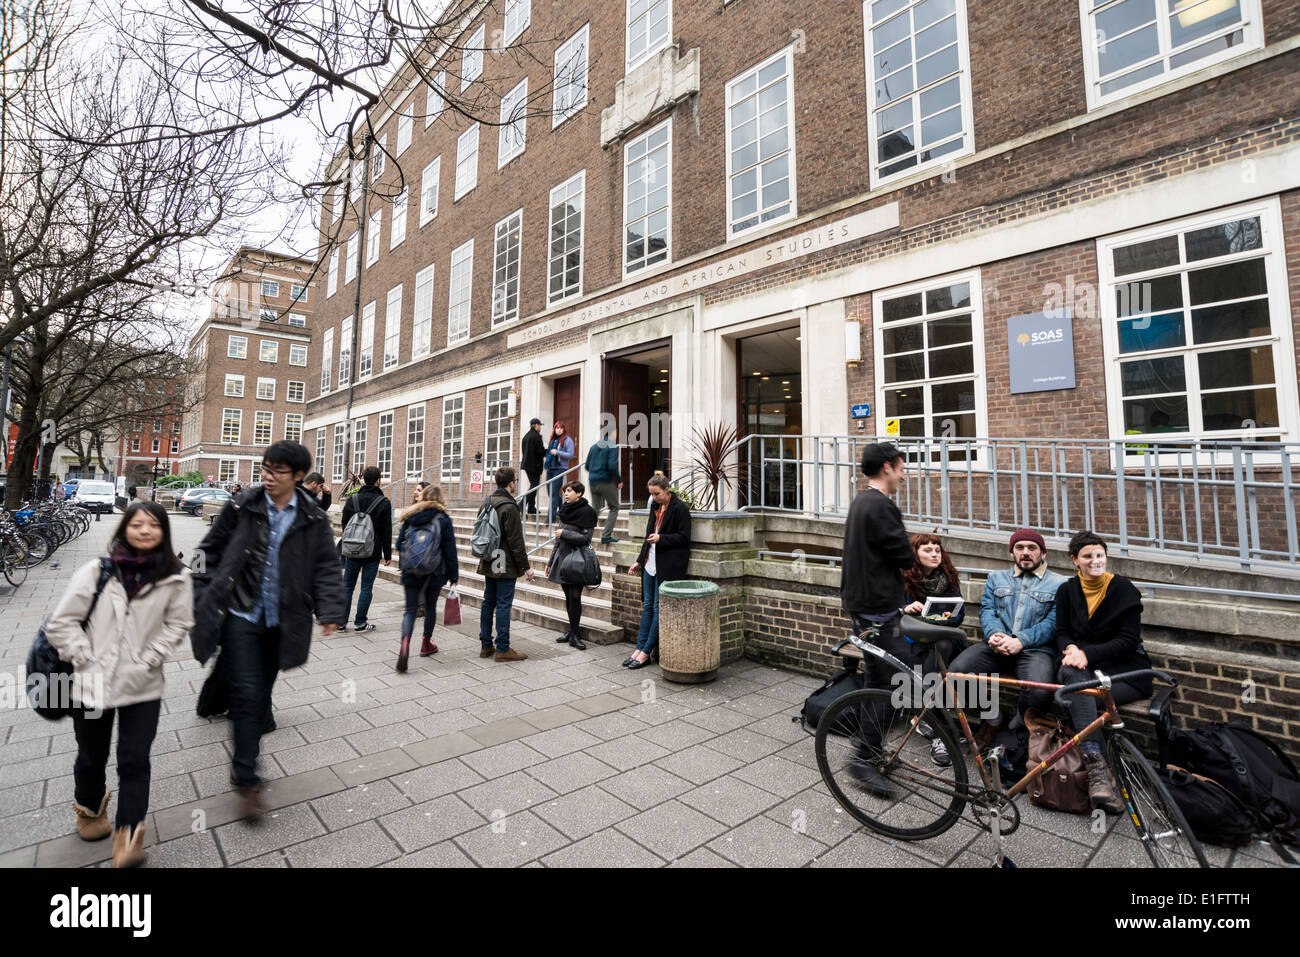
{"points": [[142, 616]]}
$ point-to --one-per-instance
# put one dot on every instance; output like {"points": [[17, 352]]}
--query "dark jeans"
{"points": [[498, 596], [367, 569], [647, 636], [253, 652], [136, 726], [553, 491], [573, 605], [880, 674], [530, 500], [1030, 664], [425, 593], [1083, 707]]}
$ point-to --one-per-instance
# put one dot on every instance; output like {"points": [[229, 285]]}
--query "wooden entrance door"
{"points": [[626, 394], [568, 409]]}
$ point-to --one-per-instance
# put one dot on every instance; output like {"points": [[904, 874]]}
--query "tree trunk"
{"points": [[19, 478]]}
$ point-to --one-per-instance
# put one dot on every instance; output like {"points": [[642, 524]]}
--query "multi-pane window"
{"points": [[760, 145], [377, 155], [373, 229], [135, 445], [332, 275], [505, 269], [404, 123], [647, 193], [397, 232], [358, 178], [265, 388], [570, 77], [466, 161], [499, 437], [366, 346], [392, 326], [1130, 45], [237, 347], [340, 440], [326, 357], [227, 470], [359, 429], [336, 207], [384, 448], [649, 28], [156, 447], [297, 319], [414, 441], [293, 426], [422, 321], [929, 348], [565, 260], [295, 391], [268, 350], [429, 190], [433, 102], [270, 289], [231, 422], [297, 293], [458, 297], [157, 425], [472, 61], [514, 108], [918, 84], [351, 265], [320, 448], [453, 436], [297, 354], [235, 385], [1196, 329], [262, 423], [267, 315], [345, 352], [175, 446], [518, 14]]}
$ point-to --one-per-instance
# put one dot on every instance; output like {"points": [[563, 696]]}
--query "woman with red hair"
{"points": [[559, 456], [933, 576]]}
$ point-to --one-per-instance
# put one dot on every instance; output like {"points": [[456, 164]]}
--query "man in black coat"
{"points": [[876, 550], [318, 489], [371, 501], [265, 566], [534, 452], [665, 553]]}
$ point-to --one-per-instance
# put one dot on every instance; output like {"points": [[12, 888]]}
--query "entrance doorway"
{"points": [[568, 409], [770, 404], [637, 394]]}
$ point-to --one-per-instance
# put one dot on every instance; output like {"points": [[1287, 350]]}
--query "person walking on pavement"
{"points": [[534, 455], [427, 540], [59, 492], [577, 521], [316, 487], [120, 619], [559, 456], [265, 564], [664, 555], [501, 570], [606, 480], [417, 494], [370, 502]]}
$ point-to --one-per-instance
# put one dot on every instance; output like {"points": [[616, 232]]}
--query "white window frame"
{"points": [[350, 265], [563, 188], [651, 48], [360, 428], [274, 350], [327, 361], [263, 427], [978, 462], [471, 64], [227, 470], [332, 275], [238, 420], [967, 109], [298, 349], [668, 249], [269, 394], [340, 440], [434, 102], [453, 445], [374, 233], [564, 78], [319, 461], [392, 327], [293, 426], [358, 178], [466, 164], [397, 230], [384, 449], [295, 386], [175, 446], [422, 317], [405, 122], [155, 446], [303, 292], [366, 342], [463, 254], [512, 134], [377, 156], [491, 461], [270, 289], [135, 445], [234, 351], [297, 319], [517, 18], [501, 314], [1273, 252], [430, 181], [415, 414], [788, 55], [1252, 39], [267, 315], [238, 382], [336, 208], [345, 352]]}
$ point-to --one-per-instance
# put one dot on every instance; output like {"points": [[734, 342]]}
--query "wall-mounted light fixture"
{"points": [[852, 342]]}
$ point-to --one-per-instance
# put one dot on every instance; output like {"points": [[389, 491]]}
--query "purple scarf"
{"points": [[134, 569]]}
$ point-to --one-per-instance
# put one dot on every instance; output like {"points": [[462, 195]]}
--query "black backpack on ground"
{"points": [[834, 688], [1215, 814]]}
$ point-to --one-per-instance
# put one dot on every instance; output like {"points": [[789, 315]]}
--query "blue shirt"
{"points": [[1021, 604], [267, 609]]}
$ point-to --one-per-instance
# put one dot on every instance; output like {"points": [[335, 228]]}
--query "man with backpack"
{"points": [[367, 531], [498, 543]]}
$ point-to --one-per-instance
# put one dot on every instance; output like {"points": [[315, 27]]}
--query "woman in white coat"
{"points": [[142, 616]]}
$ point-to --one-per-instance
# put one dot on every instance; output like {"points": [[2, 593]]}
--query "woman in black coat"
{"points": [[665, 553], [419, 587], [1099, 628], [577, 519]]}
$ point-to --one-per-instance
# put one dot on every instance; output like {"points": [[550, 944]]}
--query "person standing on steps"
{"points": [[559, 456], [573, 573], [664, 555], [534, 457], [426, 545], [606, 480], [501, 569], [119, 620], [368, 501]]}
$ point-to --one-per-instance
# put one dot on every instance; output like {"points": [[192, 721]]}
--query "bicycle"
{"points": [[927, 800]]}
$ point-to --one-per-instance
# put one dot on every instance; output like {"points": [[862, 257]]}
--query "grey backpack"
{"points": [[486, 537], [359, 535]]}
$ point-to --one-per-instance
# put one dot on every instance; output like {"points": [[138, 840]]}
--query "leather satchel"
{"points": [[1064, 785]]}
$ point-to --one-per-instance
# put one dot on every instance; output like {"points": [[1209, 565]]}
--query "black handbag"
{"points": [[579, 566], [46, 671]]}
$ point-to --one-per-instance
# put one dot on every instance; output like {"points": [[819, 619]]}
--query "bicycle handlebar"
{"points": [[1108, 680]]}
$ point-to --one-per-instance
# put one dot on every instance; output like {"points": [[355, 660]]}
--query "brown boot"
{"points": [[254, 806], [92, 826], [128, 846], [510, 655], [1101, 786]]}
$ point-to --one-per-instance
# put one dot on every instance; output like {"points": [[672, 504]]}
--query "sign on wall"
{"points": [[860, 410], [1041, 351]]}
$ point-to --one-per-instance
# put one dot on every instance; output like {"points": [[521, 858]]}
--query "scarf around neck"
{"points": [[1094, 590], [134, 569], [932, 585]]}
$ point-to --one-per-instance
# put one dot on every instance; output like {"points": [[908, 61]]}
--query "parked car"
{"points": [[95, 496], [194, 500], [70, 488]]}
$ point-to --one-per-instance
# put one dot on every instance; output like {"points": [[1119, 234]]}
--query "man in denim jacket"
{"points": [[1018, 619]]}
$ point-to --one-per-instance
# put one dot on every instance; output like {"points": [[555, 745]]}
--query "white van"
{"points": [[95, 496]]}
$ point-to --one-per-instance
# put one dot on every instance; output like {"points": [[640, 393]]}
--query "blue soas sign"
{"points": [[1041, 351]]}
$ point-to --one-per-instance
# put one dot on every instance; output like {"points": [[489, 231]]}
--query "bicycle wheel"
{"points": [[37, 547], [927, 799], [1160, 824], [12, 561]]}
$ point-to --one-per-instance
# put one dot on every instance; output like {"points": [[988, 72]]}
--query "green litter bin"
{"points": [[690, 647]]}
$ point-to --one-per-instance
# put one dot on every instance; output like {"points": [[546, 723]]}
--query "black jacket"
{"points": [[674, 551], [876, 550], [426, 513], [534, 450], [513, 553], [234, 554], [577, 520], [381, 515], [1112, 638]]}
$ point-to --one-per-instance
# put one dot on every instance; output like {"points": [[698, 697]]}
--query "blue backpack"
{"points": [[422, 549]]}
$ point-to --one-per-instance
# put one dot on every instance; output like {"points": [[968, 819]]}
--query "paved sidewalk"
{"points": [[566, 759]]}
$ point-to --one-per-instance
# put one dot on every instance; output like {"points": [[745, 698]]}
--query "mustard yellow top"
{"points": [[1094, 590]]}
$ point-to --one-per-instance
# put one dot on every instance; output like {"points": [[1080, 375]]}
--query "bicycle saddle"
{"points": [[918, 629]]}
